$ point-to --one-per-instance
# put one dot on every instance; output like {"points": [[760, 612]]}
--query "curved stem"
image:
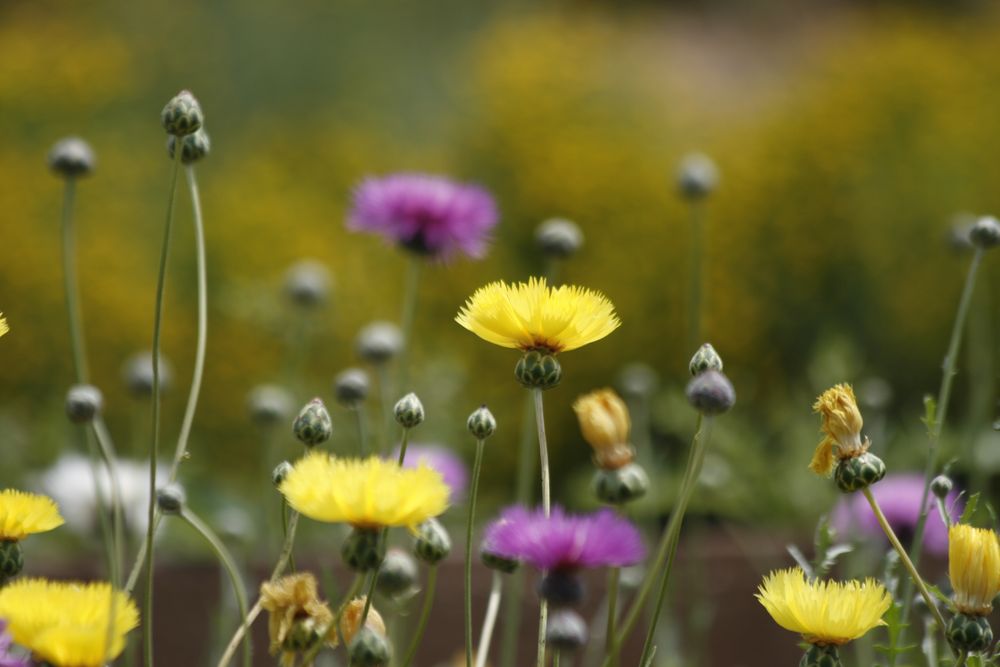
{"points": [[960, 662], [71, 285], [410, 293], [199, 357], [425, 614], [476, 469], [154, 446], [229, 564], [489, 621], [543, 453]]}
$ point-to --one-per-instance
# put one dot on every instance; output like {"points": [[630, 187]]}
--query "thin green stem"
{"points": [[239, 590], [614, 575], [71, 285], [360, 418], [691, 475], [410, 292], [490, 620], [960, 662], [404, 441], [154, 447], [385, 399], [425, 614], [543, 454], [555, 659], [695, 297], [476, 469], [371, 589], [201, 338]]}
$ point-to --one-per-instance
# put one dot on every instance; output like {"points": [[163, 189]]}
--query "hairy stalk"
{"points": [[543, 453], [425, 614], [476, 469], [410, 293], [490, 620], [695, 297]]}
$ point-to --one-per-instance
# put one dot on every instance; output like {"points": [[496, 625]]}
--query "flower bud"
{"points": [[313, 425], [351, 387], [536, 370], [138, 373], [432, 544], [363, 550], [638, 381], [605, 424], [182, 115], [280, 472], [705, 359], [497, 562], [970, 633], [941, 486], [11, 560], [558, 238], [307, 283], [858, 472], [397, 575], [697, 176], [194, 146], [379, 342], [350, 619], [621, 485], [370, 649], [481, 423], [83, 403], [821, 656], [409, 411], [269, 404], [170, 499], [562, 588], [72, 157], [566, 630], [711, 393], [985, 233], [304, 634]]}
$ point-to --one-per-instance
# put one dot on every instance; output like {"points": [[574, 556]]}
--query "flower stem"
{"points": [[543, 453], [411, 291], [960, 662], [614, 575], [154, 446], [360, 418], [71, 285], [476, 469], [425, 614], [490, 620], [694, 298], [385, 398], [403, 442], [691, 475]]}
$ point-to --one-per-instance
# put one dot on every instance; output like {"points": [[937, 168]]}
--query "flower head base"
{"points": [[291, 601], [366, 493], [842, 429], [66, 623], [605, 424], [564, 541], [823, 612], [534, 316], [428, 215], [974, 568], [23, 514]]}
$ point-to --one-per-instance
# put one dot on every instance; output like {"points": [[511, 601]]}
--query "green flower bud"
{"points": [[497, 562], [697, 176], [182, 115], [269, 404], [409, 411], [558, 238], [313, 425], [821, 656], [566, 630], [369, 649], [195, 146], [397, 575], [351, 387], [170, 499], [83, 403], [985, 233], [562, 588], [432, 544], [970, 633], [537, 370], [711, 393], [280, 472], [138, 372], [379, 342], [620, 486], [11, 560], [307, 283], [705, 359], [304, 634], [364, 549], [72, 157], [858, 472], [481, 423], [941, 486]]}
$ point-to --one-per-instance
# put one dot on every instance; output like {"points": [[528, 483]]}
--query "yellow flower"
{"points": [[532, 315], [289, 600], [842, 427], [605, 424], [3, 325], [366, 493], [823, 612], [23, 514], [350, 620], [66, 623], [974, 568]]}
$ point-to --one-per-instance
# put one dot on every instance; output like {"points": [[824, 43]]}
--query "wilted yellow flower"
{"points": [[292, 599], [533, 315], [4, 328], [974, 568], [24, 513], [605, 424], [350, 620], [823, 612], [66, 623], [842, 427], [366, 493]]}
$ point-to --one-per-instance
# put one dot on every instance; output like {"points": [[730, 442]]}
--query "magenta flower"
{"points": [[899, 495], [429, 215], [564, 541], [442, 459]]}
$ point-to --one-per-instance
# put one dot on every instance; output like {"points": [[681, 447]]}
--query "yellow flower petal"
{"points": [[974, 568], [4, 328], [23, 514], [842, 425]]}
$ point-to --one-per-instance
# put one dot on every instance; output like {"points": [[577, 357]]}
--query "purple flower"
{"points": [[427, 214], [564, 541], [442, 459], [6, 659], [899, 496]]}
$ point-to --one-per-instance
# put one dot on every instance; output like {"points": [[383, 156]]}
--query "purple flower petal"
{"points": [[440, 458]]}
